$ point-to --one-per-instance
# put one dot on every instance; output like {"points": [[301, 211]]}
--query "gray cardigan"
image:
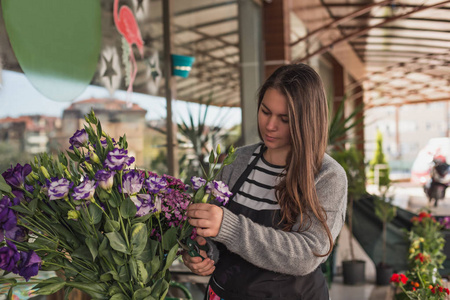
{"points": [[276, 250]]}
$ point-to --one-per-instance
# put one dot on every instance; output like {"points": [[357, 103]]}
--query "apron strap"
{"points": [[247, 171]]}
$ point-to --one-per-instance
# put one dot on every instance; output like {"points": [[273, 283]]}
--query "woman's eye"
{"points": [[284, 120], [264, 112]]}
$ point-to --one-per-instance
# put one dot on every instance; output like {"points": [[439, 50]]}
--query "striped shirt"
{"points": [[258, 190]]}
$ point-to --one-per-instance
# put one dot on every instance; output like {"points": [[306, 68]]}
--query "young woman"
{"points": [[289, 200]]}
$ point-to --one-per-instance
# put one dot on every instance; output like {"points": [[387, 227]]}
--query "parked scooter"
{"points": [[440, 179]]}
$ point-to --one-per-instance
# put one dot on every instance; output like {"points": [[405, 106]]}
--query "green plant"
{"points": [[352, 162], [422, 280], [386, 212], [341, 125], [379, 159]]}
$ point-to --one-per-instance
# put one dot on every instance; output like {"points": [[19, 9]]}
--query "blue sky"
{"points": [[18, 97]]}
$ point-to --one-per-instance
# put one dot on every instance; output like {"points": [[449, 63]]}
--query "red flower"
{"points": [[447, 291], [440, 289], [433, 291], [424, 215], [397, 278], [419, 256], [414, 289], [403, 278]]}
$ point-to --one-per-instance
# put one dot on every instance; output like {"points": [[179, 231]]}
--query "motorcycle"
{"points": [[439, 181]]}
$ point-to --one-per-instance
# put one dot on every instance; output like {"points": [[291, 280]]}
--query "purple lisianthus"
{"points": [[15, 177], [144, 204], [155, 184], [16, 233], [8, 219], [197, 182], [79, 138], [104, 143], [221, 191], [9, 256], [105, 179], [29, 264], [85, 191], [132, 182], [117, 159], [59, 188]]}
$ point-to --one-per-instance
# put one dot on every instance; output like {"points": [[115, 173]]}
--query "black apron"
{"points": [[237, 279]]}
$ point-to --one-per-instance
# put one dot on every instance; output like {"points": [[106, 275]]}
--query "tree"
{"points": [[379, 159]]}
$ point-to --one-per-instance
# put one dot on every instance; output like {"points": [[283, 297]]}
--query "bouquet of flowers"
{"points": [[106, 229]]}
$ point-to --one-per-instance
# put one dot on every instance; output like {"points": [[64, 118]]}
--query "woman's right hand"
{"points": [[196, 264]]}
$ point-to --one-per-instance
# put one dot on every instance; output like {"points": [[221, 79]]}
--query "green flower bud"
{"points": [[88, 167], [45, 172], [73, 214], [94, 157], [218, 149]]}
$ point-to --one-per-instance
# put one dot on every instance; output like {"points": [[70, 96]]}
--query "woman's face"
{"points": [[273, 121]]}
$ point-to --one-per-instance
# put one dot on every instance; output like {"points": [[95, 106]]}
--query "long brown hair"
{"points": [[308, 125]]}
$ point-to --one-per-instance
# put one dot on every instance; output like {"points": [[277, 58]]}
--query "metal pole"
{"points": [[170, 87]]}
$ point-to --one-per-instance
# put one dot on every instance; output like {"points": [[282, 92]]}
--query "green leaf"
{"points": [[21, 209], [170, 238], [4, 187], [117, 242], [211, 157], [160, 289], [111, 226], [4, 281], [171, 257], [138, 238], [95, 213], [33, 205], [119, 297], [96, 290], [146, 255], [50, 288], [118, 258], [138, 270], [199, 194], [124, 275], [73, 156], [142, 294], [128, 208], [114, 201], [92, 244], [142, 219], [82, 253], [106, 276], [154, 266], [114, 289], [10, 293]]}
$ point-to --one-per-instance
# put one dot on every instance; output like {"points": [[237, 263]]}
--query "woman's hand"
{"points": [[196, 264], [206, 217]]}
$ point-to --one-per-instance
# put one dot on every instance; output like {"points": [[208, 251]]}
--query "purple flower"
{"points": [[155, 184], [29, 264], [117, 159], [9, 256], [105, 179], [221, 191], [59, 188], [8, 219], [144, 204], [15, 177], [197, 182], [85, 191], [132, 183], [79, 138], [104, 143], [16, 233]]}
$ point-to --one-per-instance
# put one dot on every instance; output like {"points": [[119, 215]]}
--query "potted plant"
{"points": [[352, 162], [386, 212]]}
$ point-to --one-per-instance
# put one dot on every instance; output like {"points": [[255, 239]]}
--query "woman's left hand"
{"points": [[206, 217]]}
